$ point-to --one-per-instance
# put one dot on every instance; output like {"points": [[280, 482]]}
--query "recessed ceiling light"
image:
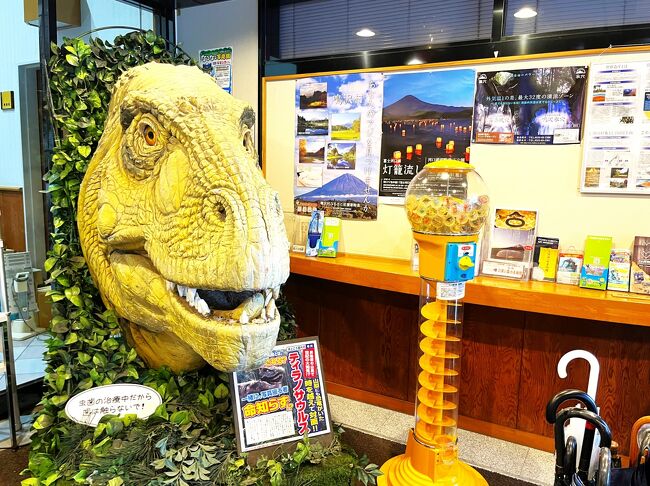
{"points": [[365, 33], [525, 13], [414, 60]]}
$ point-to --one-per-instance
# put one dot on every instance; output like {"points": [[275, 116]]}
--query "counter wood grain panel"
{"points": [[490, 364], [539, 297]]}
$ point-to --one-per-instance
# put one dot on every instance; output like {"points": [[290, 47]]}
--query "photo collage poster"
{"points": [[427, 116], [338, 140], [616, 156], [538, 106]]}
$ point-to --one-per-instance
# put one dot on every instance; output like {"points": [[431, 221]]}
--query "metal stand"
{"points": [[17, 436]]}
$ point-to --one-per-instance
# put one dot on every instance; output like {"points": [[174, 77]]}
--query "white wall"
{"points": [[225, 24], [19, 43], [542, 177]]}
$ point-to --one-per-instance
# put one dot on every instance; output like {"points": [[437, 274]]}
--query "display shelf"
{"points": [[542, 297]]}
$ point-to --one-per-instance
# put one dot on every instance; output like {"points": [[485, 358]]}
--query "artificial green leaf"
{"points": [[84, 150], [72, 59]]}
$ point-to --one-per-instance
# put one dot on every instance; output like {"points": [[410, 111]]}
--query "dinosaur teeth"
{"points": [[276, 292], [268, 296], [170, 285], [271, 310], [202, 307], [191, 296], [243, 318], [182, 290]]}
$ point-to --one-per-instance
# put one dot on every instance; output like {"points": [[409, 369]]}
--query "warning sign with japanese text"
{"points": [[284, 399]]}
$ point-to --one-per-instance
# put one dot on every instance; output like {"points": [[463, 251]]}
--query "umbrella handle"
{"points": [[558, 428], [635, 439], [604, 467], [555, 402], [570, 452]]}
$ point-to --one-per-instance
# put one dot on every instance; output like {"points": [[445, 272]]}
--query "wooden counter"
{"points": [[539, 297]]}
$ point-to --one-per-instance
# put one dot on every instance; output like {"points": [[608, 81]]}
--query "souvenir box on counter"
{"points": [[508, 249], [569, 266], [545, 259], [640, 278], [595, 268], [619, 271]]}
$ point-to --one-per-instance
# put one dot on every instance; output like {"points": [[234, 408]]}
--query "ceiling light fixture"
{"points": [[414, 60], [365, 33], [525, 13]]}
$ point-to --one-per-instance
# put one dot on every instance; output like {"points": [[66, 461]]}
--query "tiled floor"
{"points": [[508, 459], [28, 356]]}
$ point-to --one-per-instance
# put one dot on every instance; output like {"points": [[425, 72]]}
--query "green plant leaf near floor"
{"points": [[189, 440]]}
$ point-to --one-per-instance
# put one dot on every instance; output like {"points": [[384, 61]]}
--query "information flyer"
{"points": [[218, 62], [284, 399], [530, 106], [338, 140], [616, 157], [427, 116]]}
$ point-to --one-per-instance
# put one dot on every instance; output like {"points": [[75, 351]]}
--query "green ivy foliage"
{"points": [[189, 441]]}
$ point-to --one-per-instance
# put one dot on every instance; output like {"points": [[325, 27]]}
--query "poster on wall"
{"points": [[616, 156], [539, 106], [284, 399], [337, 148], [427, 116], [218, 63]]}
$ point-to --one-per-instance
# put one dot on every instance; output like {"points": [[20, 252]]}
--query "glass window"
{"points": [[327, 27], [561, 15]]}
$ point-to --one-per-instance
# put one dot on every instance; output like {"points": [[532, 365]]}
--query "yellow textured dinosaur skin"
{"points": [[174, 201]]}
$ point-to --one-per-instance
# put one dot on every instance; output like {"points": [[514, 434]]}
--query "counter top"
{"points": [[543, 297]]}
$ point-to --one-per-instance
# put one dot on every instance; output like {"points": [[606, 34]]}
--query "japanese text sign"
{"points": [[89, 406], [283, 400]]}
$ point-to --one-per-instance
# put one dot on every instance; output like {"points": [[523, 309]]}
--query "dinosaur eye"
{"points": [[149, 135]]}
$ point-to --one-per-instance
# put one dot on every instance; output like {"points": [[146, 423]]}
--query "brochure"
{"points": [[569, 266], [640, 281], [509, 251], [619, 271], [595, 269], [545, 259]]}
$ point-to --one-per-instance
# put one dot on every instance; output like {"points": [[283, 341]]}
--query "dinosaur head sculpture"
{"points": [[183, 236]]}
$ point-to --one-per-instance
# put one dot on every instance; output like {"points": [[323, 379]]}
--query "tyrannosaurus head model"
{"points": [[183, 236]]}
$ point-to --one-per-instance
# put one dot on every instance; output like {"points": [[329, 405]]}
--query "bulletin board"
{"points": [[545, 177]]}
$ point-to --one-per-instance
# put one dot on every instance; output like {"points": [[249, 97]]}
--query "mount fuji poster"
{"points": [[337, 149], [427, 115]]}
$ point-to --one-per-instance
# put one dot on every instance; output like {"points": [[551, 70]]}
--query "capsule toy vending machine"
{"points": [[447, 205]]}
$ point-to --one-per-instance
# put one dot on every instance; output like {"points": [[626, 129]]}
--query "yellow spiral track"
{"points": [[431, 457]]}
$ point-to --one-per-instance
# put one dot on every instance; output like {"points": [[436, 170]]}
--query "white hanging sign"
{"points": [[89, 406]]}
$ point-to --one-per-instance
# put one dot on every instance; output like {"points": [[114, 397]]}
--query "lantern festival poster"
{"points": [[338, 136], [284, 399], [539, 106], [427, 116]]}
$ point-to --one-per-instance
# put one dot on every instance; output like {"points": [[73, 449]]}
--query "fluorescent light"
{"points": [[414, 60], [525, 13], [365, 33]]}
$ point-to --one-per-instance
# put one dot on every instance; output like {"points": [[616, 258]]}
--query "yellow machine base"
{"points": [[405, 470]]}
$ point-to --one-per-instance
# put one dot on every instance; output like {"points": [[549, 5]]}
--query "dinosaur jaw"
{"points": [[229, 307], [238, 331]]}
